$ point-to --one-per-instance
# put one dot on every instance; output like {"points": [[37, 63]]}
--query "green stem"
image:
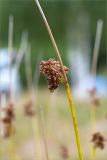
{"points": [[12, 144], [93, 153], [74, 122]]}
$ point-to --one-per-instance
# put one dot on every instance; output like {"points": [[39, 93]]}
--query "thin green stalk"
{"points": [[96, 47], [66, 81], [74, 122], [95, 60], [28, 69], [93, 117], [10, 50], [93, 153], [12, 145], [94, 72], [42, 120], [22, 49]]}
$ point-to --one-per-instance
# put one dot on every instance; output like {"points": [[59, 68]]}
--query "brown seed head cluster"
{"points": [[9, 113], [53, 73], [7, 119], [98, 140], [93, 96], [64, 152], [29, 108]]}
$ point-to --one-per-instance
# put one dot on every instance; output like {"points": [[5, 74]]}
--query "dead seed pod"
{"points": [[95, 100], [64, 152], [29, 108], [98, 140], [53, 73]]}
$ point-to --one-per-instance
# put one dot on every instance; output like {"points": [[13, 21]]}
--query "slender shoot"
{"points": [[93, 153], [10, 50], [42, 120], [94, 71], [97, 46], [28, 67], [22, 49]]}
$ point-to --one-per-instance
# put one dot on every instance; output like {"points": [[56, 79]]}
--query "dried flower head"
{"points": [[93, 96], [7, 120], [53, 73], [8, 113], [98, 140], [29, 108], [64, 152]]}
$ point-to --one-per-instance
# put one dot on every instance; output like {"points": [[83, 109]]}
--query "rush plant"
{"points": [[65, 81]]}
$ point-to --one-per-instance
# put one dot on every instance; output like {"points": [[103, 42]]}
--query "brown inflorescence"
{"points": [[95, 100], [7, 119], [9, 113], [64, 152], [53, 73], [98, 140], [29, 108]]}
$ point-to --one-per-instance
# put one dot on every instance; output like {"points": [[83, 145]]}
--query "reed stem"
{"points": [[52, 38], [22, 49], [96, 47], [93, 153], [94, 62], [10, 51], [12, 146], [28, 69], [74, 122], [94, 72], [66, 81], [93, 118], [43, 133]]}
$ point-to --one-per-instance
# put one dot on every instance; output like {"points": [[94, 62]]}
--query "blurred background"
{"points": [[80, 31]]}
